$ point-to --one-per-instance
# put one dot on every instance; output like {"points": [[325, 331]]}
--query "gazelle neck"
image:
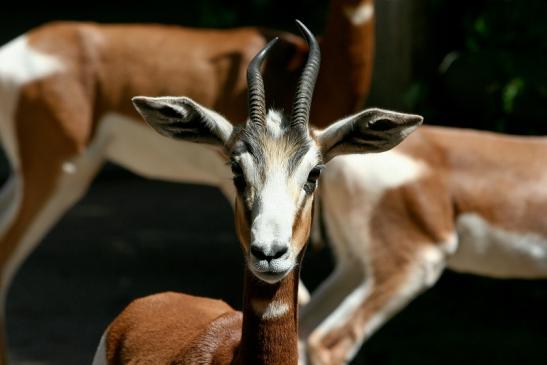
{"points": [[270, 321], [348, 49]]}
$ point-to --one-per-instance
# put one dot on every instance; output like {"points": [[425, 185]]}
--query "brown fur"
{"points": [[178, 327], [172, 328], [346, 70], [105, 65], [496, 176]]}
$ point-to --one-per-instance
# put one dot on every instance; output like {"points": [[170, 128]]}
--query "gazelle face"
{"points": [[276, 160], [276, 168]]}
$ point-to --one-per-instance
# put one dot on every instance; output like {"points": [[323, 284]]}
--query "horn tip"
{"points": [[300, 25], [305, 31]]}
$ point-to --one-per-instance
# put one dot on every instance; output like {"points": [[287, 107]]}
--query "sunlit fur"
{"points": [[274, 206]]}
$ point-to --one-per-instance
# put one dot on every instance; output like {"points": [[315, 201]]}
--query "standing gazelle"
{"points": [[276, 162]]}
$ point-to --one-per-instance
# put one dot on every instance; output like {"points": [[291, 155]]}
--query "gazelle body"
{"points": [[276, 161], [470, 201], [65, 107]]}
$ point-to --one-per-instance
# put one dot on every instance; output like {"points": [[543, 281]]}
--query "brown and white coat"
{"points": [[65, 107], [276, 162], [470, 201]]}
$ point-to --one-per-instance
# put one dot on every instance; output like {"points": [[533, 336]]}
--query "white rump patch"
{"points": [[19, 65], [360, 14]]}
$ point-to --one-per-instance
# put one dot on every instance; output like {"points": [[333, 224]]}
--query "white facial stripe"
{"points": [[360, 14], [280, 199], [274, 220]]}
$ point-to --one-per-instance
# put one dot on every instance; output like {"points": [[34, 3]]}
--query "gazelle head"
{"points": [[276, 159]]}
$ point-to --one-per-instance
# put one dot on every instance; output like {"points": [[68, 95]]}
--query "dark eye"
{"points": [[239, 179], [311, 183]]}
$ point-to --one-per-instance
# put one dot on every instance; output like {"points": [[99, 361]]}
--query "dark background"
{"points": [[477, 64]]}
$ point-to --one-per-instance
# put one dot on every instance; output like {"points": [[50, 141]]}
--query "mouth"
{"points": [[270, 272], [270, 277]]}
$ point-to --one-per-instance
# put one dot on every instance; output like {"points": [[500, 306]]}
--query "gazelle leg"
{"points": [[324, 300], [10, 197], [338, 338], [38, 211], [46, 194]]}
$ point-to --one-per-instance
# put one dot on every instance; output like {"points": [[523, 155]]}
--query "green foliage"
{"points": [[492, 55], [510, 92]]}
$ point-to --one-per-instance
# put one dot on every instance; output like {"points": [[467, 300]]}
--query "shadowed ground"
{"points": [[130, 237]]}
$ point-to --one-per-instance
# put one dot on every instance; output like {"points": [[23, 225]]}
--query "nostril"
{"points": [[280, 251], [269, 253], [257, 252]]}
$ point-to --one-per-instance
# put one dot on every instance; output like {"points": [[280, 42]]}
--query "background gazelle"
{"points": [[474, 202], [276, 162]]}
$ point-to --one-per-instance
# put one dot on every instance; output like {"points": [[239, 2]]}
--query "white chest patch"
{"points": [[19, 65], [360, 14], [488, 250], [270, 310], [352, 186], [372, 174]]}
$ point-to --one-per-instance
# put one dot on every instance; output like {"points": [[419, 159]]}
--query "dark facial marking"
{"points": [[239, 179]]}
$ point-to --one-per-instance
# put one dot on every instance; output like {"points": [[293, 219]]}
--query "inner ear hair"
{"points": [[370, 131], [182, 118]]}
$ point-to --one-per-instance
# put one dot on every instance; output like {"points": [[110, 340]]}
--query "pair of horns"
{"points": [[304, 89]]}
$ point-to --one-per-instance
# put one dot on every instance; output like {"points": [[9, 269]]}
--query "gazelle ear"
{"points": [[372, 130], [183, 118]]}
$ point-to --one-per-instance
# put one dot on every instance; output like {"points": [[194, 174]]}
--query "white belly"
{"points": [[140, 149], [491, 251]]}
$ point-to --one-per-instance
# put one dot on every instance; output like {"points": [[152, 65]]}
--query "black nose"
{"points": [[269, 253]]}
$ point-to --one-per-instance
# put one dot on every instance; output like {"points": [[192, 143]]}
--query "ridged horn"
{"points": [[257, 95], [306, 84]]}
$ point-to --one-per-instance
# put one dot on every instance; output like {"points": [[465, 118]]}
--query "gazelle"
{"points": [[64, 106], [474, 202], [276, 161]]}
